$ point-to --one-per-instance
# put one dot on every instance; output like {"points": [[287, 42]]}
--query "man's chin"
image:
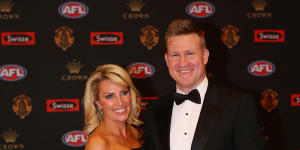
{"points": [[185, 86]]}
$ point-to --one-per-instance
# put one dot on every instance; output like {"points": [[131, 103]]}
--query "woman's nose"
{"points": [[119, 101]]}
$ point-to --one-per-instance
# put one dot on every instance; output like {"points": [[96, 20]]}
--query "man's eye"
{"points": [[190, 53], [174, 55], [108, 96], [125, 92]]}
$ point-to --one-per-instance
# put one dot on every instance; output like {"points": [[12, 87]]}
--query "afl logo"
{"points": [[200, 9], [74, 138], [140, 70], [73, 10], [261, 68], [12, 72]]}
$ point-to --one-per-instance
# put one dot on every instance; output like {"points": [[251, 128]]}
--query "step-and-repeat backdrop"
{"points": [[49, 48]]}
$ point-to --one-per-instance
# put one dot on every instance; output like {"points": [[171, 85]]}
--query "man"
{"points": [[212, 117]]}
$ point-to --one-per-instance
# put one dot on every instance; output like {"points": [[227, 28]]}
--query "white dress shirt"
{"points": [[184, 120]]}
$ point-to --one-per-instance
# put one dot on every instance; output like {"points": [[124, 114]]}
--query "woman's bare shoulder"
{"points": [[96, 142]]}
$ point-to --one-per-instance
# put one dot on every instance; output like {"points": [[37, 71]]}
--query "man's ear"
{"points": [[205, 56], [166, 59]]}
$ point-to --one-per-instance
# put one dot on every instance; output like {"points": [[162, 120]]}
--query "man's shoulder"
{"points": [[230, 91], [225, 94]]}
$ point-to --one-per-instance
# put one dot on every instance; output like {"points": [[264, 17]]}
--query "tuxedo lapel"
{"points": [[164, 122], [208, 117]]}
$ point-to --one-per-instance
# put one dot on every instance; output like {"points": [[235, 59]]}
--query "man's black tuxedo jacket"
{"points": [[228, 121]]}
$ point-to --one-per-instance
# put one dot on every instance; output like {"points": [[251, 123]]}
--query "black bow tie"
{"points": [[193, 96]]}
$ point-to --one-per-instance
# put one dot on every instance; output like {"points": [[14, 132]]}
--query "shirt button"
{"points": [[185, 133], [186, 113]]}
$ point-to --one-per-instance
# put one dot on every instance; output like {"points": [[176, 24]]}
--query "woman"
{"points": [[111, 110]]}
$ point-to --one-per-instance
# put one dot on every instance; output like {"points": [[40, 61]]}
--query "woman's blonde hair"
{"points": [[93, 114]]}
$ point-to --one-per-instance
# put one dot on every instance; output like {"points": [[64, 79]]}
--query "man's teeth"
{"points": [[120, 110], [185, 71]]}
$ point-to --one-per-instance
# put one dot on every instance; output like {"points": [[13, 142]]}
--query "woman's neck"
{"points": [[116, 128]]}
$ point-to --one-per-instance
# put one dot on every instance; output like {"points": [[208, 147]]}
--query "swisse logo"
{"points": [[140, 70], [62, 105], [295, 100], [261, 68], [73, 10], [18, 38], [12, 72], [268, 35], [74, 138], [200, 9], [106, 38]]}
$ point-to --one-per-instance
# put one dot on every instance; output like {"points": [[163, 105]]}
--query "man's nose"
{"points": [[183, 61]]}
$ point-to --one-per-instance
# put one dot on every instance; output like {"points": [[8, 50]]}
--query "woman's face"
{"points": [[115, 101]]}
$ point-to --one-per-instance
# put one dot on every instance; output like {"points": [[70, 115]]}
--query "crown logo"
{"points": [[135, 5], [10, 136], [259, 5], [5, 6], [74, 66]]}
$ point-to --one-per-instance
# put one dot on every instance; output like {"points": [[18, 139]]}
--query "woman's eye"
{"points": [[125, 92], [108, 96]]}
